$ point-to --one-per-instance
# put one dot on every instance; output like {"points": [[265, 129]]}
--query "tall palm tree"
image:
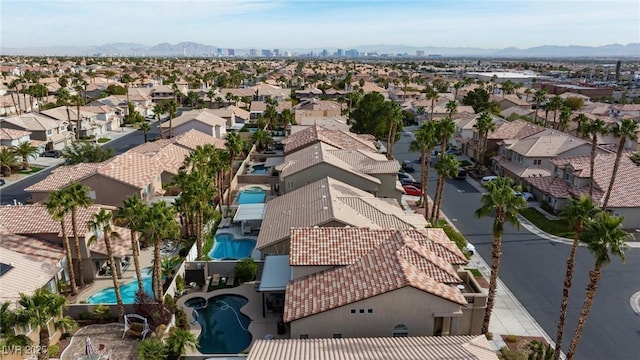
{"points": [[127, 79], [145, 127], [394, 121], [484, 124], [79, 195], [452, 107], [604, 238], [424, 143], [101, 224], [58, 205], [433, 95], [555, 104], [25, 150], [262, 139], [564, 119], [501, 199], [234, 145], [593, 128], [580, 120], [132, 213], [576, 213], [539, 97], [447, 168], [158, 110], [171, 107], [8, 161], [8, 323], [159, 223], [444, 128], [626, 129], [37, 310]]}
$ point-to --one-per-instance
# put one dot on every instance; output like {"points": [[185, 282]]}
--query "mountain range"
{"points": [[197, 49]]}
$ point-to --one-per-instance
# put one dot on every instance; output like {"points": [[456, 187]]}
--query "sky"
{"points": [[291, 24]]}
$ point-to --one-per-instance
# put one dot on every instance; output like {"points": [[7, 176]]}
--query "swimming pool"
{"points": [[254, 195], [225, 330], [127, 291], [227, 247], [259, 169]]}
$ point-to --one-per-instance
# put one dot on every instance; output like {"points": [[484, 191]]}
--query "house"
{"points": [[396, 287], [328, 203], [570, 178], [531, 156], [375, 348], [162, 93], [110, 181], [43, 237], [11, 137], [42, 128], [107, 117], [516, 129], [336, 138], [233, 115], [264, 91], [315, 107], [258, 107], [203, 120], [511, 101], [89, 123], [368, 171], [337, 122]]}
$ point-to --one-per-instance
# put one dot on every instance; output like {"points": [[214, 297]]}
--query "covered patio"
{"points": [[276, 273], [250, 217]]}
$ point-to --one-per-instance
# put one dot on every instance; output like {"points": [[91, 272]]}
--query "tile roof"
{"points": [[366, 161], [63, 176], [330, 200], [468, 347], [204, 116], [33, 122], [33, 249], [552, 145], [396, 263], [516, 129], [192, 138], [132, 168], [336, 138], [25, 276], [344, 246], [169, 155], [11, 134]]}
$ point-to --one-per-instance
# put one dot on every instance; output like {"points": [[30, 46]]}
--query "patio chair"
{"points": [[138, 327]]}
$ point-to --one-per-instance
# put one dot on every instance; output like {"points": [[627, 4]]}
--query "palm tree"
{"points": [[565, 118], [151, 349], [593, 128], [8, 323], [159, 223], [432, 94], [576, 213], [101, 225], [58, 205], [234, 145], [132, 213], [580, 119], [145, 127], [604, 237], [127, 79], [452, 107], [539, 97], [502, 199], [444, 128], [262, 139], [171, 107], [37, 310], [554, 104], [484, 125], [77, 100], [79, 195], [8, 161], [424, 143], [447, 167], [625, 129], [179, 341], [394, 121], [168, 266]]}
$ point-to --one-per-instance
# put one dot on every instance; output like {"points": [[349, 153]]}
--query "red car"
{"points": [[412, 190]]}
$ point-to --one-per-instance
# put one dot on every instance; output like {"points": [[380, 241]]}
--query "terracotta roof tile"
{"points": [[339, 139]]}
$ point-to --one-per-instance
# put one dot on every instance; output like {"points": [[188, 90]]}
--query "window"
{"points": [[369, 311], [537, 162], [337, 336], [289, 185], [518, 158], [353, 311], [361, 311], [304, 336], [400, 331], [49, 132]]}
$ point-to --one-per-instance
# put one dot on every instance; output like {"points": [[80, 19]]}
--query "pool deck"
{"points": [[259, 327], [236, 231], [107, 336], [103, 282]]}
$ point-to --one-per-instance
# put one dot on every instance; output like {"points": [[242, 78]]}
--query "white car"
{"points": [[488, 179], [469, 248], [525, 195]]}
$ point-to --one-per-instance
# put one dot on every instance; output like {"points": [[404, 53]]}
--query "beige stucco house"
{"points": [[336, 138], [366, 170], [53, 133], [329, 203], [203, 120]]}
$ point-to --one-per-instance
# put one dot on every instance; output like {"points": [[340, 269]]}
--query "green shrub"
{"points": [[455, 236], [508, 354], [101, 312], [103, 140], [181, 319], [54, 350], [246, 270], [511, 338], [85, 315], [179, 283], [169, 303]]}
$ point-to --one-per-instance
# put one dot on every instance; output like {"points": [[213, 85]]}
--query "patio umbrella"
{"points": [[89, 346]]}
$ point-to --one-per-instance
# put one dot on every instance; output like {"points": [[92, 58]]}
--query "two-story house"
{"points": [[505, 130], [53, 133], [203, 120]]}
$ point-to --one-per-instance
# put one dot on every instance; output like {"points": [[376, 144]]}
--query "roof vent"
{"points": [[325, 208]]}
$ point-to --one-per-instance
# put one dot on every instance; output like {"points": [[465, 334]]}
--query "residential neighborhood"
{"points": [[275, 208]]}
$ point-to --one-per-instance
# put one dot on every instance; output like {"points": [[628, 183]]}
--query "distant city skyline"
{"points": [[291, 24]]}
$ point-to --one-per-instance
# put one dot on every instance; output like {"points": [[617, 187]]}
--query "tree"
{"points": [[554, 104], [452, 108], [132, 213], [171, 107], [101, 225], [262, 139], [234, 145], [503, 202], [145, 127], [564, 119], [593, 128], [371, 115], [574, 103], [58, 205], [151, 349], [576, 213], [445, 128], [8, 161], [178, 342], [580, 119], [8, 323], [79, 195], [394, 122], [539, 97], [446, 167], [478, 99], [83, 152], [625, 129], [37, 310], [433, 95], [425, 141], [484, 125], [604, 238]]}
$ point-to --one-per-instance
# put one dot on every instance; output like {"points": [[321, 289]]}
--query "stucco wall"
{"points": [[411, 307], [631, 217], [320, 171], [301, 271]]}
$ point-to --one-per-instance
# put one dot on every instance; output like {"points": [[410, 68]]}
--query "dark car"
{"points": [[52, 153], [407, 181], [407, 166], [462, 174], [2, 182]]}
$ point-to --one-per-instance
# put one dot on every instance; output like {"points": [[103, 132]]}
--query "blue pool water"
{"points": [[252, 196], [259, 169], [224, 327], [228, 247], [127, 291]]}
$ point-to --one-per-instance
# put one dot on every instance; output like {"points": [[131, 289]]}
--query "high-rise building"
{"points": [[419, 53], [352, 53], [253, 52], [276, 52], [231, 52], [267, 53], [340, 53], [218, 52], [324, 53]]}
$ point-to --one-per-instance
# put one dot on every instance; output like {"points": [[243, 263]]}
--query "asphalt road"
{"points": [[533, 269], [16, 191]]}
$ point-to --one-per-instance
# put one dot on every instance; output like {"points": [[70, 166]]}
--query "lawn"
{"points": [[34, 169], [465, 163], [555, 227], [103, 140]]}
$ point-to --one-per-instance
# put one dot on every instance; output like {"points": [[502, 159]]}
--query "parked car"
{"points": [[412, 190], [411, 182], [404, 176], [2, 182], [52, 153], [487, 179], [455, 152], [462, 174], [525, 195], [469, 248], [407, 166]]}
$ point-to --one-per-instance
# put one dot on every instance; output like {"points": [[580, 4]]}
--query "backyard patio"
{"points": [[106, 340]]}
